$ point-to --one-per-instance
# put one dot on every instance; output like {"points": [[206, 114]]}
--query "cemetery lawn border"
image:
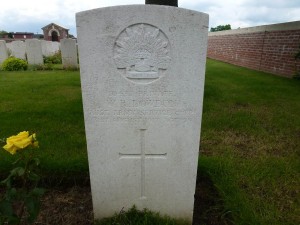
{"points": [[250, 139], [48, 103], [250, 143]]}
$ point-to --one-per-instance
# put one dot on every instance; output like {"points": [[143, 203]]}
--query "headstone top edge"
{"points": [[32, 39], [138, 6]]}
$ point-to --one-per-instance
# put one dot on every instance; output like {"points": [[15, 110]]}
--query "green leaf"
{"points": [[32, 203], [11, 192], [18, 171], [36, 161], [33, 176], [6, 208], [33, 208], [18, 160], [13, 220], [37, 192], [7, 181]]}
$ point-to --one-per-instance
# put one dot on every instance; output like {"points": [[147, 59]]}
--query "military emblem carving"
{"points": [[142, 53]]}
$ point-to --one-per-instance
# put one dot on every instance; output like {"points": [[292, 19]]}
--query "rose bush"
{"points": [[22, 194]]}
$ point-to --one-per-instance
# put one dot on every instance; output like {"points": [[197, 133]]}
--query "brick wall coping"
{"points": [[295, 25]]}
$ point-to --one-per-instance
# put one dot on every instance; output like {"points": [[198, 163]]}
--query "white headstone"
{"points": [[18, 49], [34, 52], [46, 48], [55, 46], [8, 45], [142, 76], [69, 53], [49, 48], [3, 51]]}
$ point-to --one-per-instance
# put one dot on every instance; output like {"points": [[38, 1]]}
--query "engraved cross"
{"points": [[143, 156]]}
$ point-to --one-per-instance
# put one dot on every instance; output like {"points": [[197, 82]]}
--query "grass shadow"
{"points": [[208, 206]]}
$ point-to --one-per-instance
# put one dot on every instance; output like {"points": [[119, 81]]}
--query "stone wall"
{"points": [[269, 48], [51, 29]]}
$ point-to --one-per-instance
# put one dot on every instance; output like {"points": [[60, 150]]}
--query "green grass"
{"points": [[137, 217], [48, 103], [250, 143], [250, 140]]}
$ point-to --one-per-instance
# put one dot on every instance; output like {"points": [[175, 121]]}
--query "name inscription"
{"points": [[142, 103]]}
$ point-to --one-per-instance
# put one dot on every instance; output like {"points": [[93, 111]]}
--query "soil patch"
{"points": [[209, 207], [73, 205]]}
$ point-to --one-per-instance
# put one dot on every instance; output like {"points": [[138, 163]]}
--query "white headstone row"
{"points": [[30, 49], [35, 49], [142, 81]]}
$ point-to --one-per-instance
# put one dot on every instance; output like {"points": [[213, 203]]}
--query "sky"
{"points": [[32, 15]]}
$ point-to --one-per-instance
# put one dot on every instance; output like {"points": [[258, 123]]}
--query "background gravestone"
{"points": [[69, 53], [55, 46], [34, 52], [142, 80], [46, 47], [18, 49], [3, 51], [49, 48], [8, 45]]}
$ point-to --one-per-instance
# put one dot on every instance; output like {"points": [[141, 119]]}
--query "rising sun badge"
{"points": [[141, 53]]}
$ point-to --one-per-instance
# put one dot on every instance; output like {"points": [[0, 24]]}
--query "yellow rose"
{"points": [[10, 148], [35, 144], [20, 141]]}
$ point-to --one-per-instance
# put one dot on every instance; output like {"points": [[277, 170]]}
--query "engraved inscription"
{"points": [[141, 53], [142, 96], [143, 156], [132, 104], [138, 115]]}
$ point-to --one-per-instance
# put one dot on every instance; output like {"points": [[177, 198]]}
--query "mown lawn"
{"points": [[48, 103], [250, 141]]}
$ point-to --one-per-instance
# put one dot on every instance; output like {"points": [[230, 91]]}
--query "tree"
{"points": [[10, 35], [220, 27], [162, 2], [2, 33]]}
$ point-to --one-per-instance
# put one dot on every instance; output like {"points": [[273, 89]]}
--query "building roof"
{"points": [[50, 24], [22, 33]]}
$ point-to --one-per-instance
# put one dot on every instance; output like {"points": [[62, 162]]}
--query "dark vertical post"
{"points": [[162, 2]]}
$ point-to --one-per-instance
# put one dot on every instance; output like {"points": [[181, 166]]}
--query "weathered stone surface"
{"points": [[55, 46], [49, 48], [3, 51], [69, 53], [34, 52], [46, 47], [142, 76], [18, 49]]}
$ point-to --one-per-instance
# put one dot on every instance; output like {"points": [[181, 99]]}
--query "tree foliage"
{"points": [[220, 27], [2, 33]]}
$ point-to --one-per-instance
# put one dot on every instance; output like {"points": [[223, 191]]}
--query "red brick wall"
{"points": [[269, 51], [21, 36], [63, 33]]}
